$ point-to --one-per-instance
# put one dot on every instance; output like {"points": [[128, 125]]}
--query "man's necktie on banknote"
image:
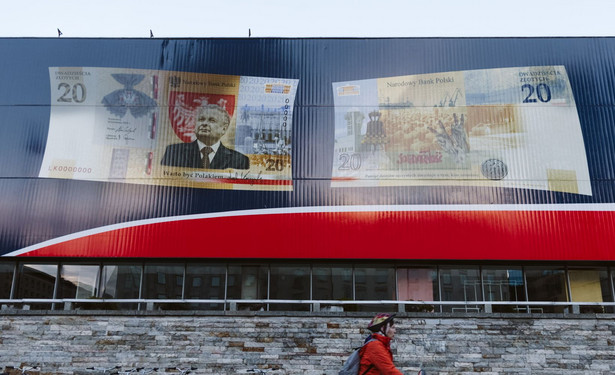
{"points": [[205, 151]]}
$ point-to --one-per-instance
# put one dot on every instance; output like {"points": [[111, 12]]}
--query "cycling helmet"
{"points": [[380, 321]]}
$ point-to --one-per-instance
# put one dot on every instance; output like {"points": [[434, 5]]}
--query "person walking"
{"points": [[376, 355]]}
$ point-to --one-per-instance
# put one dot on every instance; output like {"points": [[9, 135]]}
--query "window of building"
{"points": [[205, 282], [332, 283], [121, 281], [590, 285], [504, 285], [289, 282], [6, 279], [520, 288], [460, 284], [37, 281], [612, 285], [375, 283], [248, 282], [546, 284], [417, 284], [160, 282], [78, 281]]}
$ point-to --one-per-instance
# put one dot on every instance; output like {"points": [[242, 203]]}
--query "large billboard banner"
{"points": [[437, 149]]}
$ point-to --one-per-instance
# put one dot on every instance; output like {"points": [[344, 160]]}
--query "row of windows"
{"points": [[339, 282]]}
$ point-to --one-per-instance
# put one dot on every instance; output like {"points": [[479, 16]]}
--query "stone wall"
{"points": [[297, 343]]}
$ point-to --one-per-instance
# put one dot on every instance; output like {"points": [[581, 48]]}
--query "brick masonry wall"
{"points": [[297, 343]]}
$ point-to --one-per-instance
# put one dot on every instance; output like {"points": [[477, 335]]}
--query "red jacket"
{"points": [[377, 354]]}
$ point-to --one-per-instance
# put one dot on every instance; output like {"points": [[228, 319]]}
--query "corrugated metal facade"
{"points": [[82, 217]]}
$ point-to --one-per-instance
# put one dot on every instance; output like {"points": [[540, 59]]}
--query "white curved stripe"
{"points": [[323, 209]]}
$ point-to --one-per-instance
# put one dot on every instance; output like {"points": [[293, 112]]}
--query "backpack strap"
{"points": [[367, 342]]}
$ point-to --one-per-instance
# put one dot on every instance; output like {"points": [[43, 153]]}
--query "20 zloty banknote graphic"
{"points": [[510, 127], [149, 127]]}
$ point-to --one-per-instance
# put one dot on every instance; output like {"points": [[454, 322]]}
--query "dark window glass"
{"points": [[504, 285], [78, 281], [37, 281], [611, 287], [161, 281], [546, 284], [460, 284], [590, 285], [121, 281], [6, 279], [205, 282], [375, 283], [332, 283], [417, 284], [247, 282], [290, 282]]}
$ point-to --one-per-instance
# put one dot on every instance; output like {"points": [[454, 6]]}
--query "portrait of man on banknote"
{"points": [[207, 152]]}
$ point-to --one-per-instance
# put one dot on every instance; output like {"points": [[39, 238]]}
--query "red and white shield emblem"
{"points": [[183, 106]]}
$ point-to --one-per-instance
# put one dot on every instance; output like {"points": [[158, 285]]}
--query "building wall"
{"points": [[297, 343]]}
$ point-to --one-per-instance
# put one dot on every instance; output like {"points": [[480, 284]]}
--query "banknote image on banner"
{"points": [[510, 127], [170, 128]]}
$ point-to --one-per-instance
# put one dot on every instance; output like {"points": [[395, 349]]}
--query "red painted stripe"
{"points": [[472, 235]]}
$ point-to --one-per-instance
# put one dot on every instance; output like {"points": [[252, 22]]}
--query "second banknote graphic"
{"points": [[509, 127]]}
